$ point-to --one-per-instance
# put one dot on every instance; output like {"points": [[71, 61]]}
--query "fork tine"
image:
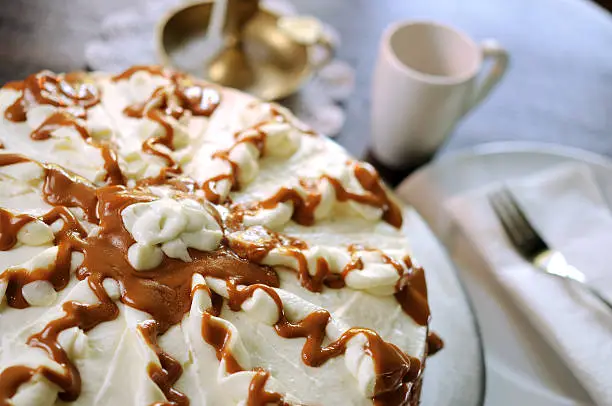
{"points": [[520, 220], [518, 228], [500, 209]]}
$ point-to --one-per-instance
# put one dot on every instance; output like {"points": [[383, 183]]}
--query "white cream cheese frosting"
{"points": [[275, 265]]}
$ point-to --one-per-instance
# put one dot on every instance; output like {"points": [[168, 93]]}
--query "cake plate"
{"points": [[455, 375]]}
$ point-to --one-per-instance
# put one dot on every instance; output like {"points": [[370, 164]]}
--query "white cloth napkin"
{"points": [[565, 205]]}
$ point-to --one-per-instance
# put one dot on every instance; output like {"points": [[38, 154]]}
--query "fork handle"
{"points": [[555, 264], [598, 294]]}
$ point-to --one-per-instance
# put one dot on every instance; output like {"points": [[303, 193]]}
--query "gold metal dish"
{"points": [[263, 60]]}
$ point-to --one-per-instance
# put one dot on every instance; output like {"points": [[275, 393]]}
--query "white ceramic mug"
{"points": [[427, 77]]}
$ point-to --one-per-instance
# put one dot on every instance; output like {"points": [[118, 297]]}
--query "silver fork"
{"points": [[530, 244]]}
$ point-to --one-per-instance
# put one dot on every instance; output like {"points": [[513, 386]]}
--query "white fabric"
{"points": [[565, 205]]}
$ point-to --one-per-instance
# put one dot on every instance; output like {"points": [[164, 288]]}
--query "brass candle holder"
{"points": [[257, 55]]}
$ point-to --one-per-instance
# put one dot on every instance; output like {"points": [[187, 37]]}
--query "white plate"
{"points": [[521, 368], [455, 376]]}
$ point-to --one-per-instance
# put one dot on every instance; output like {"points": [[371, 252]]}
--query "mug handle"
{"points": [[328, 47], [491, 49]]}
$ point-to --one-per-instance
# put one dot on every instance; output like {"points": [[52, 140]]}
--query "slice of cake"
{"points": [[164, 241]]}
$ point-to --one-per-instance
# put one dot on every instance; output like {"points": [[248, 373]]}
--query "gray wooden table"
{"points": [[558, 89]]}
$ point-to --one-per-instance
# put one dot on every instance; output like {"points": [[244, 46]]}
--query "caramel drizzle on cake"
{"points": [[114, 175], [72, 99], [47, 88], [258, 396], [166, 105], [164, 292], [170, 371], [396, 368], [390, 362], [56, 121], [10, 224], [305, 203], [154, 70], [171, 102], [255, 136]]}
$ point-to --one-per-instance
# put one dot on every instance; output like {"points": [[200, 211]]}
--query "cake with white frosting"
{"points": [[164, 241]]}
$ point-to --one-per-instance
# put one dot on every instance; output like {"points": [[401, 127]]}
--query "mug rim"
{"points": [[427, 77]]}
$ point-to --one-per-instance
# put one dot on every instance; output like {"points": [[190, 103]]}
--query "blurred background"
{"points": [[558, 89]]}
